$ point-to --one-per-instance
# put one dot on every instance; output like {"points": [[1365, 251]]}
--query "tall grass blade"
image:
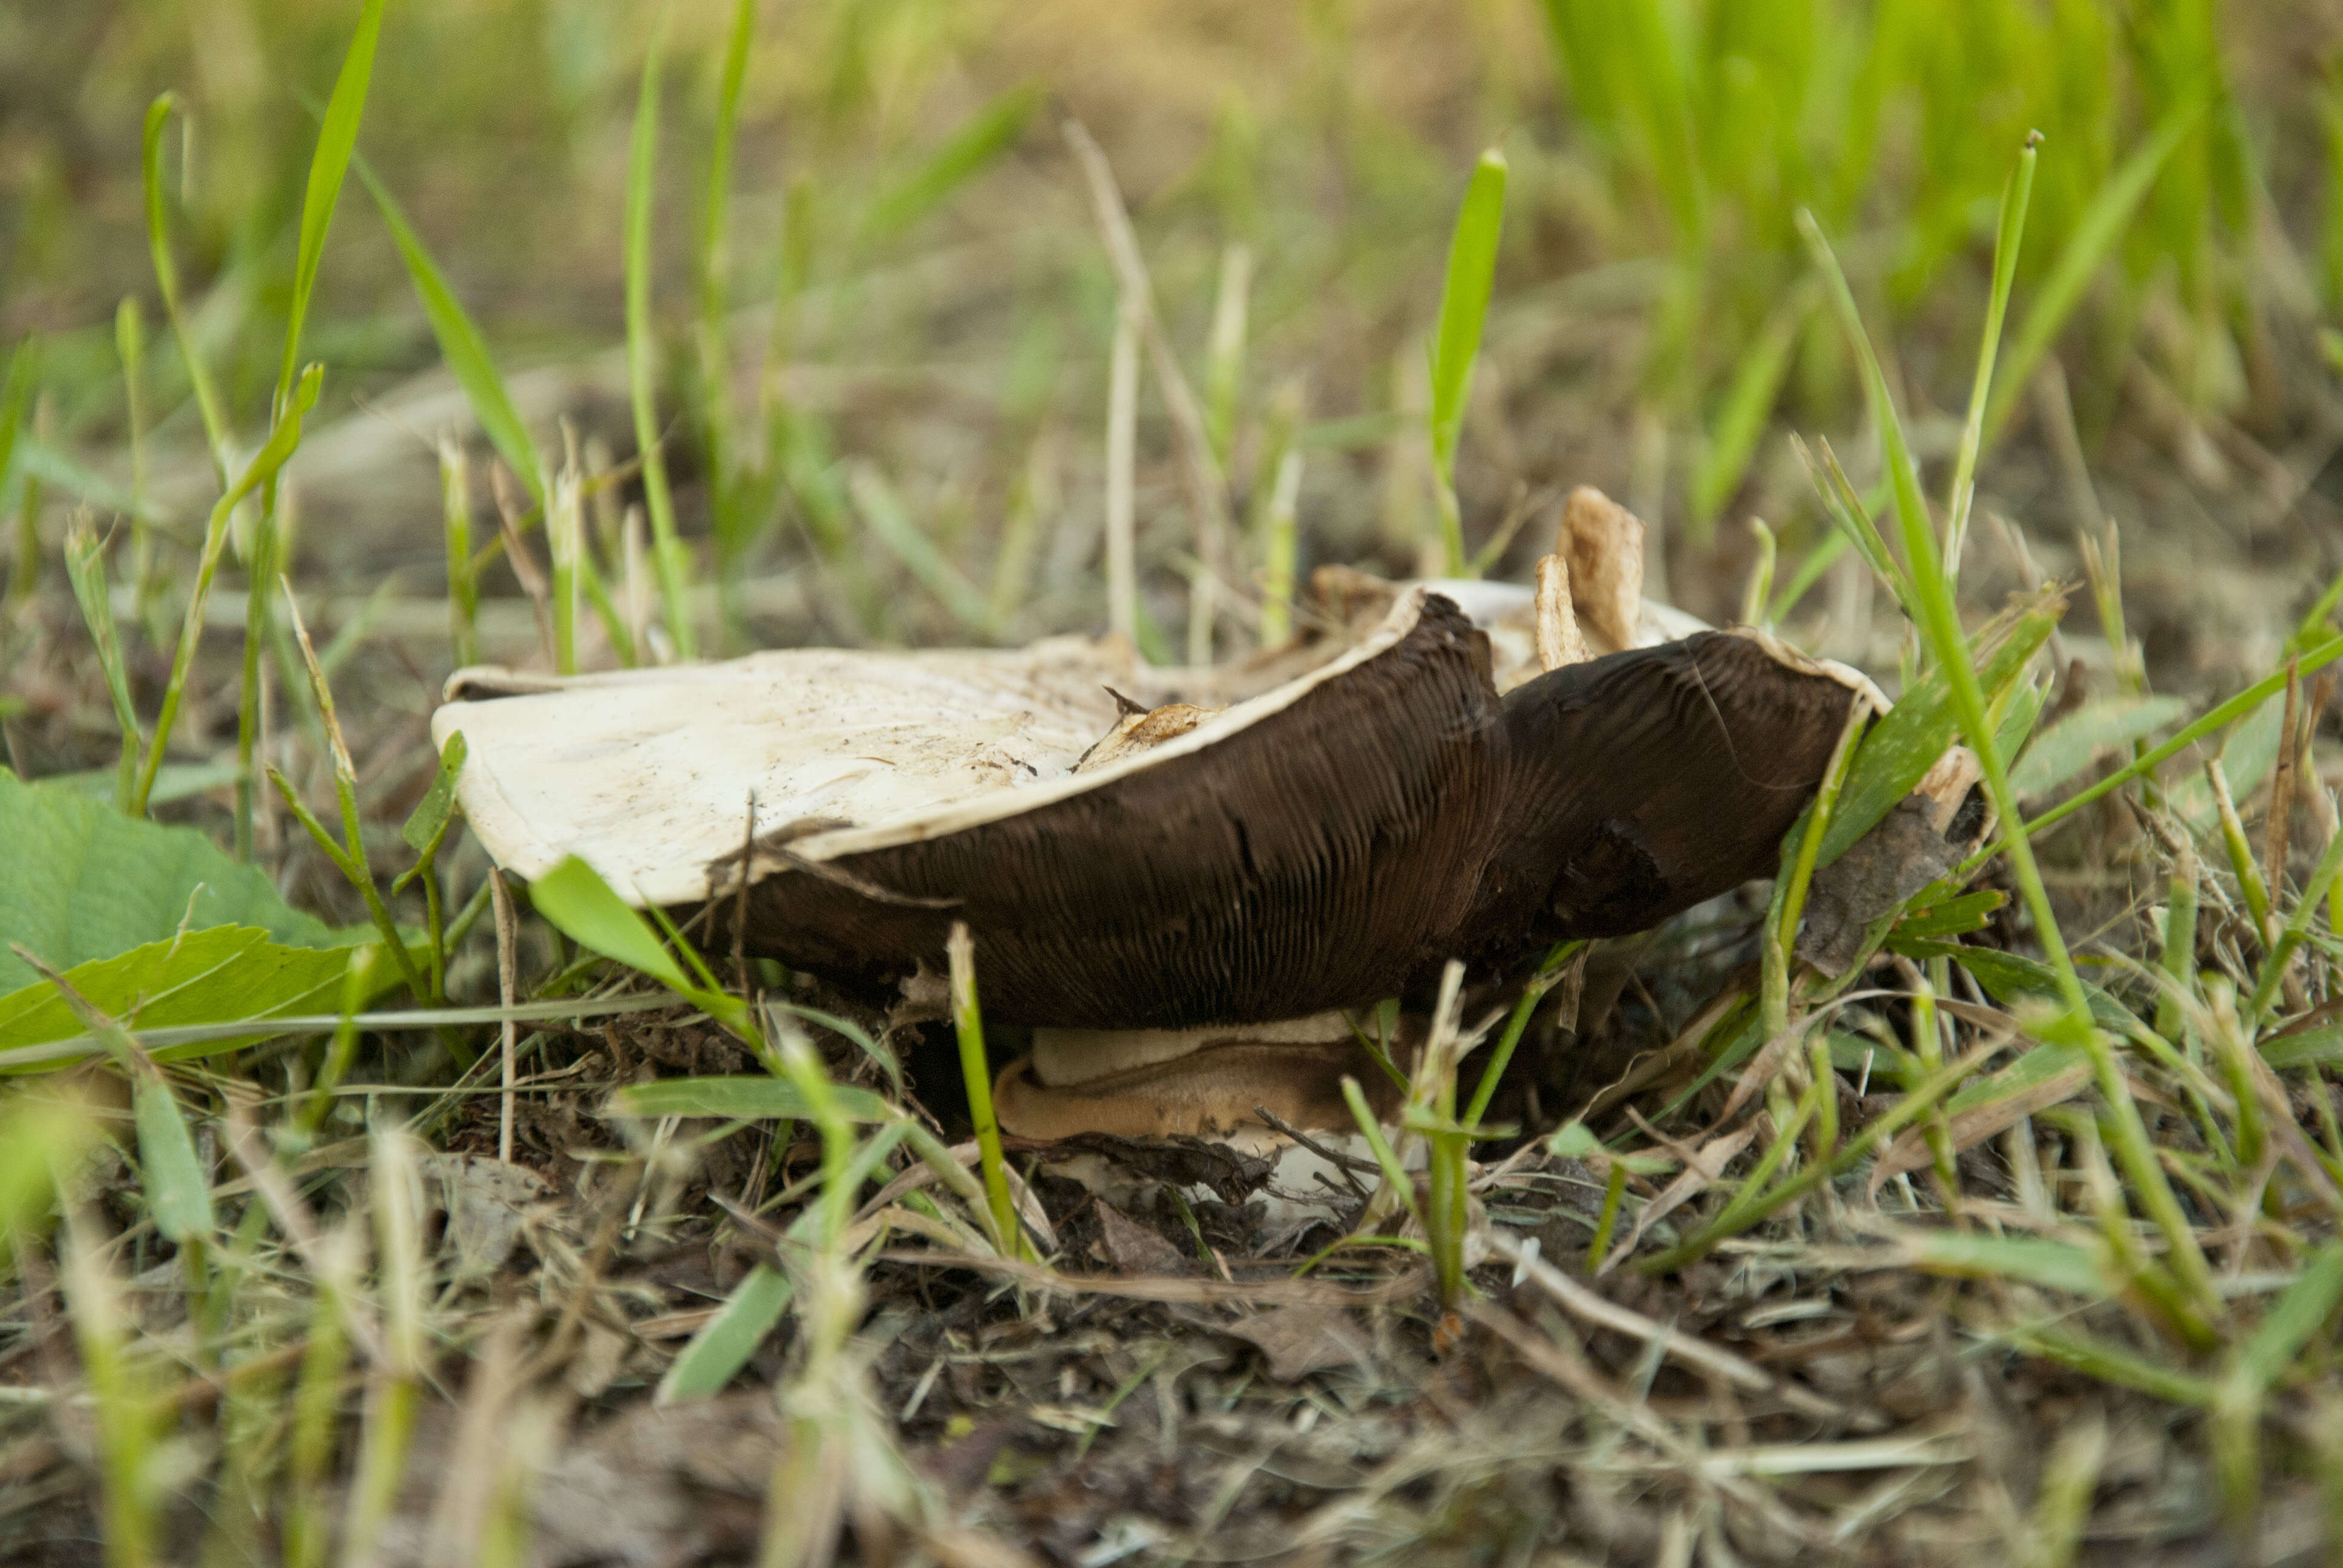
{"points": [[338, 139], [130, 347], [462, 346], [2007, 232], [1940, 621], [877, 502], [2091, 243], [281, 439], [1456, 343], [167, 280], [968, 152], [976, 1074], [724, 1344]]}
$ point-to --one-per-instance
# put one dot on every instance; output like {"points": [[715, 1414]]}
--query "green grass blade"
{"points": [[743, 1099], [281, 439], [883, 511], [1463, 308], [976, 1074], [1909, 738], [177, 1188], [1935, 612], [968, 152], [2091, 243], [2008, 233], [86, 568], [462, 346], [166, 279], [726, 1341], [670, 561], [1749, 402], [2294, 1317], [1811, 568], [733, 514], [2238, 707], [338, 139], [576, 899]]}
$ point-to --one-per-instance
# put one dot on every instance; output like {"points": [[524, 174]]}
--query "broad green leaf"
{"points": [[1902, 746], [225, 975], [2075, 741], [967, 153], [742, 1099], [179, 1190], [174, 781], [726, 1341], [85, 881], [462, 346]]}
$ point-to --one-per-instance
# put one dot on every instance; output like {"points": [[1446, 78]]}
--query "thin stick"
{"points": [[1122, 456], [1207, 491], [507, 935]]}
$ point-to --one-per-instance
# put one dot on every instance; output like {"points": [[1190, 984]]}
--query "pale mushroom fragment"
{"points": [[1603, 541], [1315, 847], [1559, 641]]}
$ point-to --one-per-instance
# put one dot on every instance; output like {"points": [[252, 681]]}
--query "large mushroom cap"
{"points": [[1313, 846]]}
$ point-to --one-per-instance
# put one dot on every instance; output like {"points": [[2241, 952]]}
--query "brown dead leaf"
{"points": [[1133, 1249], [484, 1201], [1886, 865], [1298, 1341]]}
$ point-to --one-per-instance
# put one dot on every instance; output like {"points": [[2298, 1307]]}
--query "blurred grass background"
{"points": [[913, 277]]}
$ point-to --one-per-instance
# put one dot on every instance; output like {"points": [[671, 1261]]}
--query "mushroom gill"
{"points": [[1348, 837]]}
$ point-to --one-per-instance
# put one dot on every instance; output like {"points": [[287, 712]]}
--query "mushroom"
{"points": [[1211, 867]]}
